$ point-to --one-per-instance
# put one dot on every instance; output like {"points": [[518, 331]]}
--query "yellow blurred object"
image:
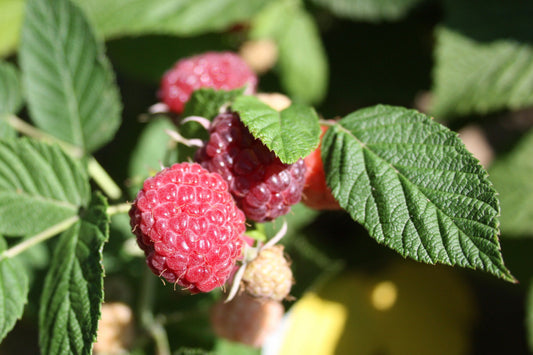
{"points": [[319, 322], [384, 295], [407, 308]]}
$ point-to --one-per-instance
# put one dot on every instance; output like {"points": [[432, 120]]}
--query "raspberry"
{"points": [[246, 319], [218, 70], [262, 185], [189, 227], [316, 193], [269, 275]]}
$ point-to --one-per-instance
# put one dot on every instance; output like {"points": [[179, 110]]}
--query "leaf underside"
{"points": [[413, 185], [69, 83], [40, 186]]}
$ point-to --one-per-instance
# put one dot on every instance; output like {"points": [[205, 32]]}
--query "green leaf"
{"points": [[152, 150], [40, 186], [10, 22], [511, 175], [69, 84], [482, 62], [413, 185], [206, 102], [13, 291], [369, 10], [10, 97], [10, 91], [302, 58], [73, 287], [292, 133], [181, 17]]}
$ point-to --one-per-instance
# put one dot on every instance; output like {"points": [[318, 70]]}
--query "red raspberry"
{"points": [[189, 227], [218, 70], [262, 185], [316, 193]]}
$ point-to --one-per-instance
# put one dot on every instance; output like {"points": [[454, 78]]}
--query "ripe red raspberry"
{"points": [[316, 193], [246, 319], [189, 227], [269, 275], [262, 185], [218, 70]]}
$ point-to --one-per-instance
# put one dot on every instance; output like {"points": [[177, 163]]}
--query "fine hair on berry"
{"points": [[189, 227]]}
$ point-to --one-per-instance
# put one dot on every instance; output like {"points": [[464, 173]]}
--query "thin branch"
{"points": [[40, 237]]}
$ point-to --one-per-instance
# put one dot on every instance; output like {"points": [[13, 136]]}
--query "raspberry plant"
{"points": [[406, 178]]}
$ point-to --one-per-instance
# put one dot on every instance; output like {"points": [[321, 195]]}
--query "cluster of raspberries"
{"points": [[189, 218]]}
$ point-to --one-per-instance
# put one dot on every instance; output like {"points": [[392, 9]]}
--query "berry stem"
{"points": [[39, 237], [116, 209], [102, 178], [96, 171]]}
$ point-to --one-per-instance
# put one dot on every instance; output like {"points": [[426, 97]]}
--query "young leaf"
{"points": [[185, 17], [40, 186], [369, 10], [206, 102], [73, 287], [69, 84], [10, 96], [413, 185], [302, 59], [13, 291], [292, 133]]}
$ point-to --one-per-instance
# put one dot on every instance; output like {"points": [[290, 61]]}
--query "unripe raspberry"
{"points": [[269, 275], [218, 70], [189, 227], [316, 194], [246, 319], [262, 185]]}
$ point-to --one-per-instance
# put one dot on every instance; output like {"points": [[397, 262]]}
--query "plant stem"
{"points": [[152, 325], [33, 132], [102, 178], [40, 237], [116, 209], [99, 175]]}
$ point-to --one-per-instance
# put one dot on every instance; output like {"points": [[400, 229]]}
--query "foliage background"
{"points": [[465, 62]]}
